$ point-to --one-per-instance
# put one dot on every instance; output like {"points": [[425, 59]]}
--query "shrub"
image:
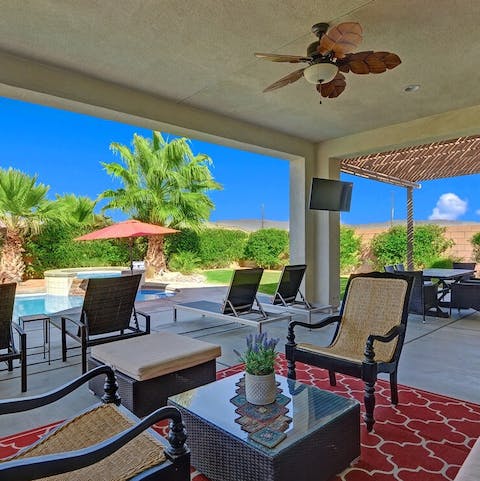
{"points": [[475, 241], [220, 247], [350, 246], [214, 247], [441, 264], [185, 262], [55, 248], [268, 247], [429, 243], [186, 240]]}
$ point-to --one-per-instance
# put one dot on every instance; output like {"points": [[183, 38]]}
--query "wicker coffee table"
{"points": [[318, 433]]}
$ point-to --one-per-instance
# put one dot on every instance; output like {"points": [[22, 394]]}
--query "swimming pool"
{"points": [[26, 305], [59, 282]]}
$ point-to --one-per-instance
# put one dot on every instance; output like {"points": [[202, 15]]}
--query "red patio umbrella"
{"points": [[127, 229]]}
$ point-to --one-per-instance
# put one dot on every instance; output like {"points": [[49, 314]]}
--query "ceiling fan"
{"points": [[331, 55]]}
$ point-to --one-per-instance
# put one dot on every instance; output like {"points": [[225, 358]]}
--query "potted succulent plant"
{"points": [[259, 359]]}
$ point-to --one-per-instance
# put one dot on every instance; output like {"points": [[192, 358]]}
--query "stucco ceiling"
{"points": [[200, 53]]}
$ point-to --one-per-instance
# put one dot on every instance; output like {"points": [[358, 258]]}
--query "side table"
{"points": [[307, 435], [46, 331]]}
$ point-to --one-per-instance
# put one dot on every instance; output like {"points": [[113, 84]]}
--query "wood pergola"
{"points": [[409, 166]]}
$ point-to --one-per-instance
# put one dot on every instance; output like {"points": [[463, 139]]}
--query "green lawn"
{"points": [[268, 283]]}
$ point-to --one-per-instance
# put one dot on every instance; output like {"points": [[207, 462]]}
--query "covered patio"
{"points": [[214, 92], [188, 69]]}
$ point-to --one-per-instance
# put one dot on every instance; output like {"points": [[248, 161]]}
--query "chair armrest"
{"points": [[389, 336], [9, 406], [23, 338], [43, 466], [17, 327], [147, 320], [291, 325], [75, 321]]}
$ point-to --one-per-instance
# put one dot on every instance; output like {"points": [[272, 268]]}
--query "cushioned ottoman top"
{"points": [[154, 355]]}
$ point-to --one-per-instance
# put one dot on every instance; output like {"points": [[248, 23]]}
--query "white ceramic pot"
{"points": [[260, 390]]}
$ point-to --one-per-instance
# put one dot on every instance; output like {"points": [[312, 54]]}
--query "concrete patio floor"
{"points": [[440, 355]]}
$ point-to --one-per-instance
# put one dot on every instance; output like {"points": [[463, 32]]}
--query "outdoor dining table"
{"points": [[444, 275]]}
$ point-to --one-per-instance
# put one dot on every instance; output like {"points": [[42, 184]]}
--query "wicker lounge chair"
{"points": [[368, 338], [289, 298], [239, 303], [8, 350], [93, 445], [108, 308]]}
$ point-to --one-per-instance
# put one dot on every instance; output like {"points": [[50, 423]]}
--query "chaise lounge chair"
{"points": [[288, 296], [108, 314], [239, 303]]}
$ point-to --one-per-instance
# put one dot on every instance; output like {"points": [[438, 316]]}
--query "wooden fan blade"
{"points": [[333, 88], [288, 79], [342, 39], [368, 62], [273, 57]]}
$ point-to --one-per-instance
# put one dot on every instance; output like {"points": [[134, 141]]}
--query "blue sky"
{"points": [[65, 150]]}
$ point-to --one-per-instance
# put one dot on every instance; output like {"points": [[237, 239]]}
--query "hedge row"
{"points": [[215, 248]]}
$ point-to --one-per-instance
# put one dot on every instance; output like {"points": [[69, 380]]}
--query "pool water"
{"points": [[98, 275], [26, 305]]}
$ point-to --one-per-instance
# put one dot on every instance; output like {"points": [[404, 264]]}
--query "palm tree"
{"points": [[23, 207], [78, 209], [164, 184]]}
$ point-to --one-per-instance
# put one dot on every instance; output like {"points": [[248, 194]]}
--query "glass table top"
{"points": [[300, 410]]}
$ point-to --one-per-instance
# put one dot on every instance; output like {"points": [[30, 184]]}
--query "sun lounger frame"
{"points": [[263, 317]]}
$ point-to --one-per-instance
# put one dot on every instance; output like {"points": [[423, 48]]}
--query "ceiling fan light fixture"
{"points": [[321, 72]]}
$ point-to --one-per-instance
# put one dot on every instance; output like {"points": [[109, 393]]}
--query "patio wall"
{"points": [[460, 233]]}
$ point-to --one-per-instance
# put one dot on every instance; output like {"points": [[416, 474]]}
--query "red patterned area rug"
{"points": [[425, 438]]}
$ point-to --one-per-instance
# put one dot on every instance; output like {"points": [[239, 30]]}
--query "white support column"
{"points": [[314, 235]]}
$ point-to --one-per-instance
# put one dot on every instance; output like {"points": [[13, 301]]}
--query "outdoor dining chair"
{"points": [[465, 265], [369, 335], [9, 351], [108, 314], [424, 295]]}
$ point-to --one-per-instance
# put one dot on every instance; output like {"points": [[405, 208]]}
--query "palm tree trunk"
{"points": [[155, 258], [12, 265]]}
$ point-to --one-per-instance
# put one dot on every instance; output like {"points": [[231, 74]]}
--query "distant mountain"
{"points": [[251, 224]]}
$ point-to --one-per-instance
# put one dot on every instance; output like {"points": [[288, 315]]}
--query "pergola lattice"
{"points": [[408, 166]]}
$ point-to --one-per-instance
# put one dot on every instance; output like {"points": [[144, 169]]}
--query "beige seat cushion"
{"points": [[470, 471], [155, 355]]}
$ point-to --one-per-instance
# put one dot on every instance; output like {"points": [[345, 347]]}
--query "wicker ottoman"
{"points": [[151, 368]]}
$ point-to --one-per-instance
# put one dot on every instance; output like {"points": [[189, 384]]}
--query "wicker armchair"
{"points": [[8, 350], [93, 445], [465, 295], [466, 265], [424, 296], [370, 330], [108, 307]]}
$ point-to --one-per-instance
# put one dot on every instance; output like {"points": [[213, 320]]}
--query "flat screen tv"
{"points": [[327, 194]]}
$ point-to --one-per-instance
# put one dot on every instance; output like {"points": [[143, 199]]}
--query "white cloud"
{"points": [[449, 207]]}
